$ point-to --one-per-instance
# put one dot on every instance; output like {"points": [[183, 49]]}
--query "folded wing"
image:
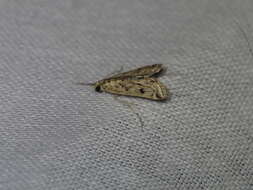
{"points": [[146, 71], [149, 88]]}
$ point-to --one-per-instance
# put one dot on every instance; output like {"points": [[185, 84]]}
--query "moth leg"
{"points": [[126, 103], [130, 105]]}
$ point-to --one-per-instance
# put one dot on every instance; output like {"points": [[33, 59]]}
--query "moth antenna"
{"points": [[86, 84]]}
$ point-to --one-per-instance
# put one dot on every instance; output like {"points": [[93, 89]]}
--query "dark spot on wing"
{"points": [[142, 90]]}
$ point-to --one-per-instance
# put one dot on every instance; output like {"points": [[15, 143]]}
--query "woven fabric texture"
{"points": [[57, 135]]}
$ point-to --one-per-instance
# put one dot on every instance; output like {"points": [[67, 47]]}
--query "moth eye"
{"points": [[98, 89]]}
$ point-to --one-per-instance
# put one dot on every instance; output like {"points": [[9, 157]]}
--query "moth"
{"points": [[140, 82]]}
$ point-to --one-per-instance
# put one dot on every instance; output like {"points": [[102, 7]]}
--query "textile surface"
{"points": [[57, 135]]}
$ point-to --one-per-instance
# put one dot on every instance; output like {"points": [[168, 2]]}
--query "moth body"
{"points": [[138, 83]]}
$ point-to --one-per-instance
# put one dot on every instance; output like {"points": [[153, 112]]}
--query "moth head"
{"points": [[98, 87]]}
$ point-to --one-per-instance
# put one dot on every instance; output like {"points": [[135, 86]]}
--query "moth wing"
{"points": [[149, 88], [145, 71]]}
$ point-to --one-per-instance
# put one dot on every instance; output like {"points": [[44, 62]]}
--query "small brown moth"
{"points": [[139, 82]]}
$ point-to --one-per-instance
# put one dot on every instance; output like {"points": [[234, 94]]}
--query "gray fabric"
{"points": [[58, 135]]}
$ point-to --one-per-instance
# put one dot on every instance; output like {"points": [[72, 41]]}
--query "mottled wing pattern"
{"points": [[149, 88], [145, 71]]}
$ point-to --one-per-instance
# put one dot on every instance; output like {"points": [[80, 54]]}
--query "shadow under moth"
{"points": [[140, 82]]}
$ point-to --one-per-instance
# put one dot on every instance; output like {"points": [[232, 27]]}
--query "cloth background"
{"points": [[57, 135]]}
